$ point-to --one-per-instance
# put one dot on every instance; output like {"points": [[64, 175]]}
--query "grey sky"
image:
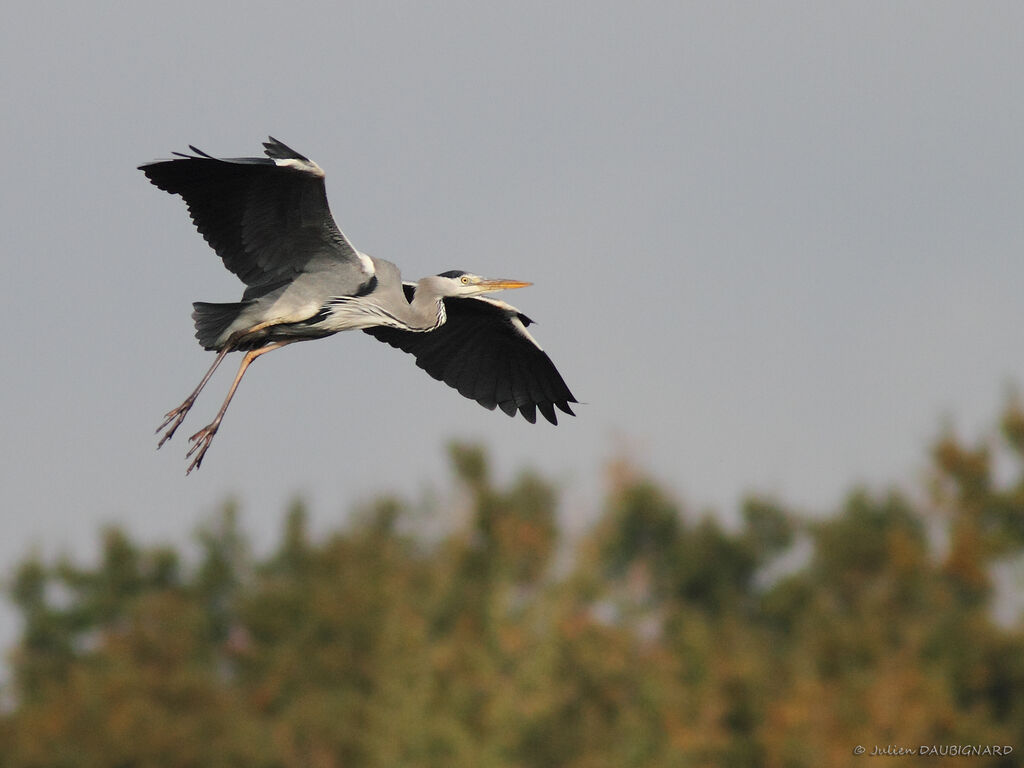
{"points": [[773, 244]]}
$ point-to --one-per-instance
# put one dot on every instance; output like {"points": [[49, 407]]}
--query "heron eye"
{"points": [[465, 280]]}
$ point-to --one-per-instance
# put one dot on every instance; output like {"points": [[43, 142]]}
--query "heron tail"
{"points": [[213, 319]]}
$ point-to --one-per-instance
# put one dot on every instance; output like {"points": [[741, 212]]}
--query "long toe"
{"points": [[198, 460], [173, 418], [200, 444], [178, 418]]}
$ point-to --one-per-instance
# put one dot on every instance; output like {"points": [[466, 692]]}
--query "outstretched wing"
{"points": [[485, 352], [266, 217]]}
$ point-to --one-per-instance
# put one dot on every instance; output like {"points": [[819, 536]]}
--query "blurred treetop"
{"points": [[666, 641]]}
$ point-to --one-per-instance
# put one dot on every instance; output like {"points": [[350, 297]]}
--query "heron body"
{"points": [[269, 221]]}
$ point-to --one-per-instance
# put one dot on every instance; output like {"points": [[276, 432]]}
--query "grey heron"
{"points": [[269, 221]]}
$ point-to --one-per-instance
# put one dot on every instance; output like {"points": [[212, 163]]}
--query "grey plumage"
{"points": [[269, 221], [479, 352], [211, 320]]}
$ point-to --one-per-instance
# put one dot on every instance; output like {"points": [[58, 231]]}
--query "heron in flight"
{"points": [[268, 220]]}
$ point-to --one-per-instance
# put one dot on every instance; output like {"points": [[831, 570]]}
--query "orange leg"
{"points": [[201, 440], [177, 415]]}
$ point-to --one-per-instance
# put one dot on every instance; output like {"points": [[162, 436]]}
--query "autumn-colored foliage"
{"points": [[476, 637]]}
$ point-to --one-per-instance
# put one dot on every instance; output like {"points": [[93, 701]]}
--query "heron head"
{"points": [[459, 283]]}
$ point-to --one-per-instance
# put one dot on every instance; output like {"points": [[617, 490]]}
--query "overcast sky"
{"points": [[773, 245]]}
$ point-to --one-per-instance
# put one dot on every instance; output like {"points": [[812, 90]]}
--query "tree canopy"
{"points": [[659, 638]]}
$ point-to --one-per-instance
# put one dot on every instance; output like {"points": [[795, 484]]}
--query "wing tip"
{"points": [[528, 410], [278, 150]]}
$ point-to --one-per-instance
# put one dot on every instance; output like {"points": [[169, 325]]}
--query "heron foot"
{"points": [[174, 419], [200, 443]]}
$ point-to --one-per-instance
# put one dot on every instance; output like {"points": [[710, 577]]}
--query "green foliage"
{"points": [[666, 640]]}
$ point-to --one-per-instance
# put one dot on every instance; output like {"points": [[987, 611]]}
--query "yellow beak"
{"points": [[502, 285]]}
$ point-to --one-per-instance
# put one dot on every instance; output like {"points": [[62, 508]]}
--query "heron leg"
{"points": [[201, 440], [177, 415]]}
